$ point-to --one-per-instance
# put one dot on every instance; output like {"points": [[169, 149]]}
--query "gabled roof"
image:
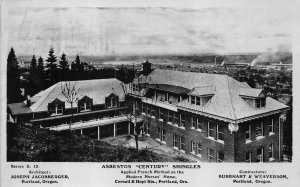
{"points": [[226, 101], [96, 89], [202, 91], [19, 108], [251, 92]]}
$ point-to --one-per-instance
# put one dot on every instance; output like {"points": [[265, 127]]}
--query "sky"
{"points": [[111, 30]]}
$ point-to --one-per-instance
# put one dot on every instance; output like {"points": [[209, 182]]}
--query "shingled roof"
{"points": [[226, 101], [96, 89]]}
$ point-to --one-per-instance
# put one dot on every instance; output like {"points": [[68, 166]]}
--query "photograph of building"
{"points": [[99, 112], [213, 117], [148, 83]]}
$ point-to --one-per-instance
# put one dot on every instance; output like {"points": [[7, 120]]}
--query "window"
{"points": [[211, 155], [260, 102], [160, 113], [248, 132], [159, 133], [176, 118], [271, 127], [143, 108], [170, 117], [194, 119], [85, 106], [111, 101], [134, 87], [271, 152], [199, 150], [193, 100], [199, 121], [147, 128], [56, 109], [259, 130], [148, 110], [163, 137], [198, 101], [175, 140], [260, 155], [211, 130], [220, 132], [220, 157], [182, 120], [178, 142], [153, 111], [182, 145], [195, 148], [248, 157]]}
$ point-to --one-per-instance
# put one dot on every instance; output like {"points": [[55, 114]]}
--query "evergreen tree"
{"points": [[13, 78], [33, 65], [78, 65], [73, 67], [34, 81], [51, 71], [40, 66], [63, 63]]}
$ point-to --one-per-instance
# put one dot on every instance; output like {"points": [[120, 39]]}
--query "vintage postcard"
{"points": [[125, 92]]}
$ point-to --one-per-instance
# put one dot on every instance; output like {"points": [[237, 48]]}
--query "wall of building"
{"points": [[241, 147], [189, 134]]}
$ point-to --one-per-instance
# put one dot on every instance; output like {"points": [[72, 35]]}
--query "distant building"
{"points": [[213, 117]]}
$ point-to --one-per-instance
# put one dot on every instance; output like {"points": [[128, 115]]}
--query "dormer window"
{"points": [[201, 95], [56, 107], [111, 101], [85, 104], [261, 102], [254, 97]]}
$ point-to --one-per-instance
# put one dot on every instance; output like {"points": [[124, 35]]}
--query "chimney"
{"points": [[28, 101]]}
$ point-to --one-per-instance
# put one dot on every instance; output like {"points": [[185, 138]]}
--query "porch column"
{"points": [[81, 132], [98, 132], [114, 130], [128, 128]]}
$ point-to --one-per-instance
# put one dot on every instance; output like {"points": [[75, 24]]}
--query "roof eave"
{"points": [[240, 120]]}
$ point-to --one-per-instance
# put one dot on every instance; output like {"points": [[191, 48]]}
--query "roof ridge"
{"points": [[230, 96], [45, 97]]}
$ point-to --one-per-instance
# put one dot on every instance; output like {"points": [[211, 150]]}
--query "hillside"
{"points": [[27, 144]]}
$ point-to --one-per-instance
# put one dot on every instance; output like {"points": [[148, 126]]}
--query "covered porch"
{"points": [[100, 128]]}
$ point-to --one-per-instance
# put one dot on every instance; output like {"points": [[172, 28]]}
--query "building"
{"points": [[99, 113], [211, 116]]}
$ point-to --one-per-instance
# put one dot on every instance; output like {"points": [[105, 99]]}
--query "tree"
{"points": [[64, 68], [13, 78], [40, 66], [78, 65], [72, 95], [134, 92], [63, 63], [33, 65], [34, 81], [51, 67]]}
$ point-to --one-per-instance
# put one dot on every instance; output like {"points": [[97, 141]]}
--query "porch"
{"points": [[100, 128]]}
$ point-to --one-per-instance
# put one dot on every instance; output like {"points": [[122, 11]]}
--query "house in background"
{"points": [[211, 116], [99, 113]]}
